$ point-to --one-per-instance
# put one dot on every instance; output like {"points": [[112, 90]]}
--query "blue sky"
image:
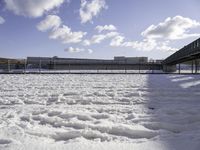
{"points": [[97, 28]]}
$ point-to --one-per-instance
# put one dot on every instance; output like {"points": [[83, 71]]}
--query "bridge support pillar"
{"points": [[169, 68], [179, 68], [196, 66], [192, 67]]}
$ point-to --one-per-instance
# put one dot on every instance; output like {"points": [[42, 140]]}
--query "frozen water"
{"points": [[80, 112]]}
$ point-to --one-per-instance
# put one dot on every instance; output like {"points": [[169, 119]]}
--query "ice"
{"points": [[5, 141], [87, 134], [190, 84], [80, 112], [127, 131]]}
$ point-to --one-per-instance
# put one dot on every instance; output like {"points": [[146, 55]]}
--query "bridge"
{"points": [[190, 52]]}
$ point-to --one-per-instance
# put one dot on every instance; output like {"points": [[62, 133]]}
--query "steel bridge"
{"points": [[190, 52], [187, 53]]}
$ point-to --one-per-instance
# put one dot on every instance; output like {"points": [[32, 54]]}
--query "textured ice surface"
{"points": [[81, 112]]}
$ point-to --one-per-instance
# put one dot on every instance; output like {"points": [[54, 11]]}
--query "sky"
{"points": [[97, 28]]}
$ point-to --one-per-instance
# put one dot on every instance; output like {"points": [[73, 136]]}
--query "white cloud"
{"points": [[86, 42], [66, 35], [90, 51], [50, 22], [96, 39], [78, 50], [145, 45], [117, 41], [58, 31], [2, 20], [32, 8], [172, 28], [164, 46], [90, 8], [159, 37], [106, 28], [74, 50]]}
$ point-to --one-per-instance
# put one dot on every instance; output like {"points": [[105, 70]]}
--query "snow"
{"points": [[81, 112]]}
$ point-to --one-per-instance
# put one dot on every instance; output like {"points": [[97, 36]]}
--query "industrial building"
{"points": [[57, 60], [120, 62], [120, 59], [56, 63], [134, 60]]}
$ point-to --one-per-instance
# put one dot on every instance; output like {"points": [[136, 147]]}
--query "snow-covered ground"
{"points": [[101, 112]]}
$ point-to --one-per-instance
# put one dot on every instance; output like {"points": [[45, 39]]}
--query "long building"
{"points": [[8, 63], [118, 63], [57, 60], [56, 63]]}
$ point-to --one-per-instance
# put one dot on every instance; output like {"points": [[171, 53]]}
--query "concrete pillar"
{"points": [[196, 66], [139, 68], [8, 65], [54, 64], [24, 65], [192, 67], [69, 69], [40, 65], [153, 67], [169, 68], [179, 68]]}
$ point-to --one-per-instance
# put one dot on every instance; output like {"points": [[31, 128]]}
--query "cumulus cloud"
{"points": [[159, 37], [106, 28], [90, 51], [172, 29], [144, 45], [78, 50], [60, 32], [90, 8], [50, 22], [2, 20], [164, 46], [147, 44], [117, 41], [96, 39], [66, 35], [32, 8]]}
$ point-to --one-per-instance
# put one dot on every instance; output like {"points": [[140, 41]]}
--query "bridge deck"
{"points": [[187, 53]]}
